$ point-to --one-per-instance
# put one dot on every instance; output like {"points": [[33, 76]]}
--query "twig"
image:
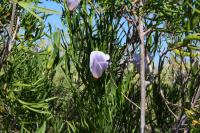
{"points": [[13, 35], [183, 118], [195, 97], [148, 62], [140, 29], [134, 1], [166, 103], [12, 19], [142, 69], [147, 31], [180, 122], [9, 42], [130, 101]]}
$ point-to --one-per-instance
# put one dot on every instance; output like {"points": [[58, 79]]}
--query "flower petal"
{"points": [[96, 70], [98, 63], [103, 65], [72, 4], [136, 61]]}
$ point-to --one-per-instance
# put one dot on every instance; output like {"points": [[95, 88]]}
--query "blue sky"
{"points": [[55, 21]]}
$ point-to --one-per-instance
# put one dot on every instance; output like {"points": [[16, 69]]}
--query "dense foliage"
{"points": [[45, 80]]}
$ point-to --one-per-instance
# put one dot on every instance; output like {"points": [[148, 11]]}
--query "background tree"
{"points": [[45, 79]]}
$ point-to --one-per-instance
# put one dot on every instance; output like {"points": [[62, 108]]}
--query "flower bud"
{"points": [[72, 4], [98, 63]]}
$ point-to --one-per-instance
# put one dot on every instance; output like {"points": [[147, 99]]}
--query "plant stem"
{"points": [[142, 70], [7, 46]]}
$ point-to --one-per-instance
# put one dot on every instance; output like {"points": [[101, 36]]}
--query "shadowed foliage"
{"points": [[45, 80]]}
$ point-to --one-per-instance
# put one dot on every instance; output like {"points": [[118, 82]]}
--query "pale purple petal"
{"points": [[106, 57], [136, 61], [96, 70], [98, 63], [103, 65], [72, 4]]}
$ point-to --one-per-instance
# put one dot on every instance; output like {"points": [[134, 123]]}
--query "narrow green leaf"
{"points": [[26, 6], [194, 9], [71, 126], [191, 37], [184, 53], [36, 110], [42, 129], [45, 10]]}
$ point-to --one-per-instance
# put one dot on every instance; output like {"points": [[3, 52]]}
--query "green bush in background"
{"points": [[46, 84]]}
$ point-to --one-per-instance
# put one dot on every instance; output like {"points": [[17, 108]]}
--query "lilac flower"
{"points": [[98, 63], [136, 61], [72, 4]]}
